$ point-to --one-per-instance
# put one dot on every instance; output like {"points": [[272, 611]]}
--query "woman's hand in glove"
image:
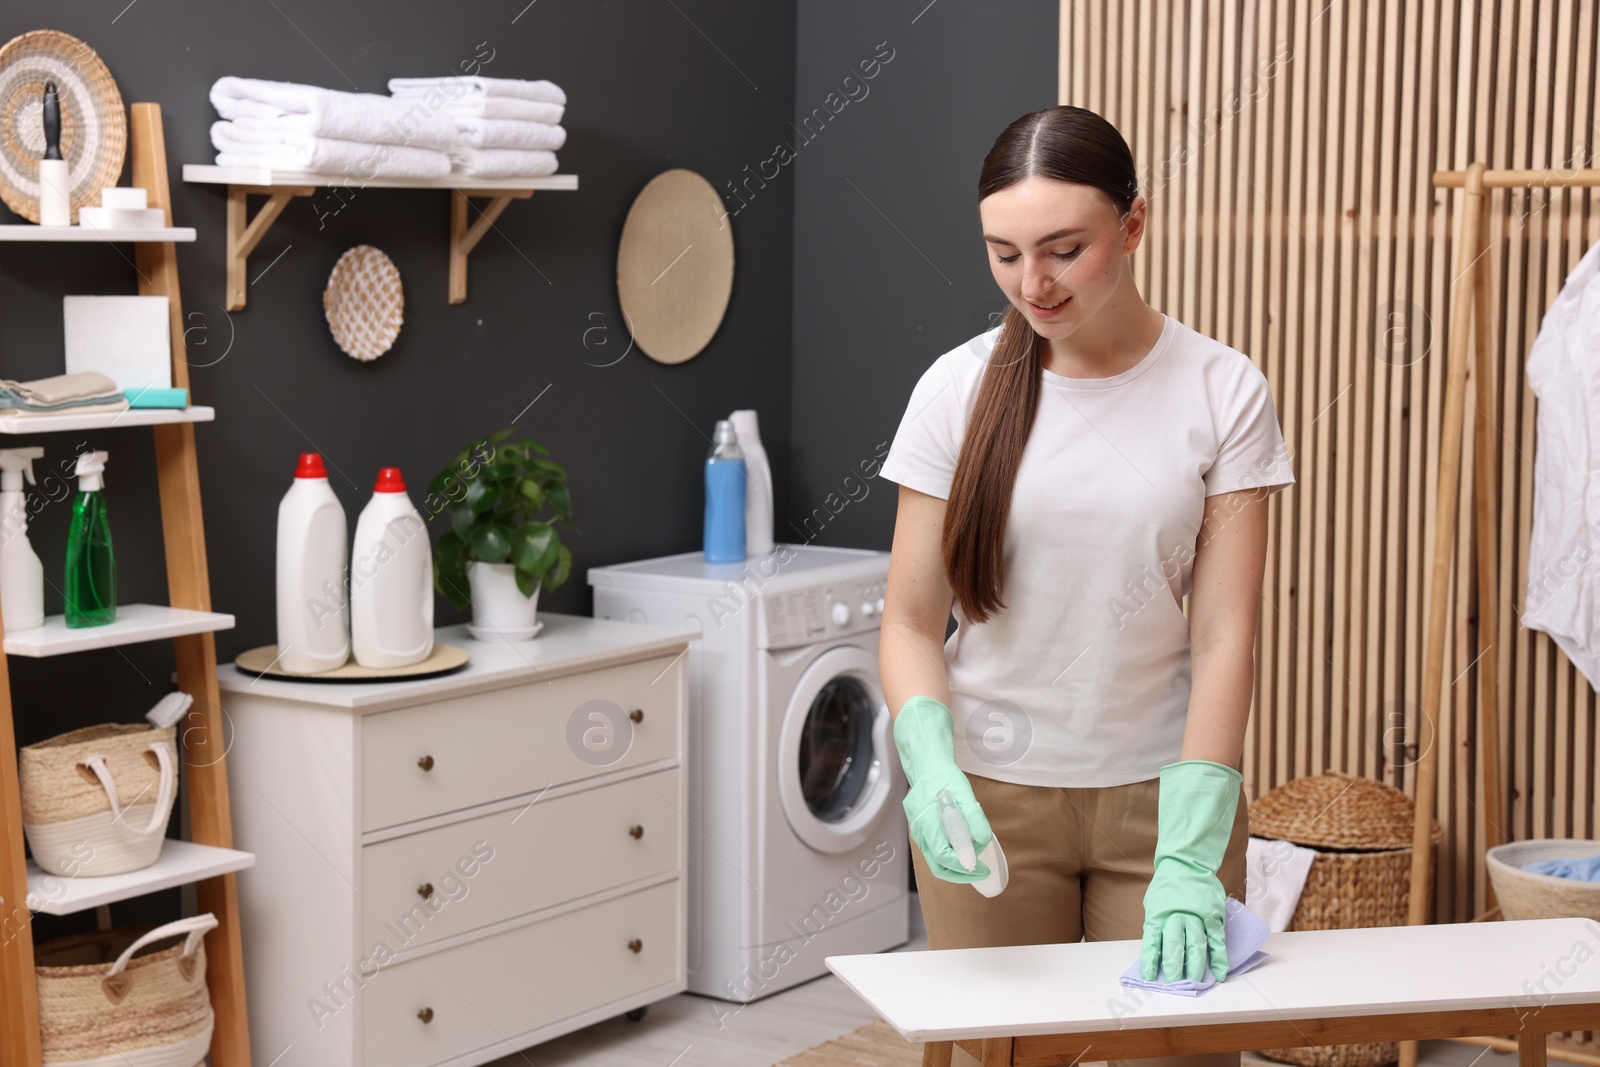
{"points": [[1185, 906], [924, 735]]}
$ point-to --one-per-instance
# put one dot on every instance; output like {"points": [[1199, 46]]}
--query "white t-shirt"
{"points": [[1082, 680]]}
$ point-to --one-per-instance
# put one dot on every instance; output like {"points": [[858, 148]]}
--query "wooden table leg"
{"points": [[1531, 1049], [997, 1052], [937, 1053]]}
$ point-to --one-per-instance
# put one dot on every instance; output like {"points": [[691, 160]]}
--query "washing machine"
{"points": [[797, 839]]}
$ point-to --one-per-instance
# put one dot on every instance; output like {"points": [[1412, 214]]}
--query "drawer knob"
{"points": [[635, 945], [425, 890], [637, 715], [426, 763], [426, 1015], [636, 832]]}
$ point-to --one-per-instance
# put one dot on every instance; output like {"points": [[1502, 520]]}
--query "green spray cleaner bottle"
{"points": [[91, 568]]}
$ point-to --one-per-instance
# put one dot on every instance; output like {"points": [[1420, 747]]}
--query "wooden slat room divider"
{"points": [[1286, 148]]}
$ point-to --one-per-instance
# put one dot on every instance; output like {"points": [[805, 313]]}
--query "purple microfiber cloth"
{"points": [[1242, 931]]}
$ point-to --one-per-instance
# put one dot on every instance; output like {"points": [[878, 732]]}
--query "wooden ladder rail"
{"points": [[189, 586]]}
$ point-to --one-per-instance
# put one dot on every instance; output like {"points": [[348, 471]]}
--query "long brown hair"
{"points": [[1068, 144]]}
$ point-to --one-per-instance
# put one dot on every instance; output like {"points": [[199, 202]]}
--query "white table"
{"points": [[1055, 1004]]}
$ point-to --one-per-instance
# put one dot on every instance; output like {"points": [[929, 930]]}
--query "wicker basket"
{"points": [[103, 1001], [96, 801], [1528, 895], [1361, 830]]}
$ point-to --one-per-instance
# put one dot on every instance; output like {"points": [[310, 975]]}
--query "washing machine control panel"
{"points": [[804, 616]]}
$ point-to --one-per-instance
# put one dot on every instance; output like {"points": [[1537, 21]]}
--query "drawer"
{"points": [[494, 867], [453, 754], [489, 992]]}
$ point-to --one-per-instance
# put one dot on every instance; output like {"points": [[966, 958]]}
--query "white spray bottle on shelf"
{"points": [[758, 500], [21, 573]]}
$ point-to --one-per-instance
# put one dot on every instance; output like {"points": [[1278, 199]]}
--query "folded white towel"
{"points": [[453, 87], [308, 109], [326, 155], [509, 133], [502, 107], [502, 163]]}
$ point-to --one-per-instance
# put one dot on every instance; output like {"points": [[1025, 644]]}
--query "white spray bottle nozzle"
{"points": [[90, 471], [955, 827], [15, 464]]}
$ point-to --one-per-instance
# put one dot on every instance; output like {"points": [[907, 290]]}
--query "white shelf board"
{"points": [[134, 623], [104, 420], [181, 863], [27, 231], [210, 174]]}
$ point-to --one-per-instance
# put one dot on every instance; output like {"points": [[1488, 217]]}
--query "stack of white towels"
{"points": [[430, 128], [505, 127]]}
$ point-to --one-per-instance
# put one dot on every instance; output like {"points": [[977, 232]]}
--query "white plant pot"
{"points": [[499, 610]]}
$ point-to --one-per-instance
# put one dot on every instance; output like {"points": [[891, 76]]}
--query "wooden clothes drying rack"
{"points": [[1469, 317]]}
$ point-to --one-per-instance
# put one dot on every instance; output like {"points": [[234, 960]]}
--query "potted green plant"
{"points": [[503, 501]]}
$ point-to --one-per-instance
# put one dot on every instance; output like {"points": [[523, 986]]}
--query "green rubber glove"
{"points": [[924, 735], [1185, 905]]}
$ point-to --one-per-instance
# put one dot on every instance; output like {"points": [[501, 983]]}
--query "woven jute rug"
{"points": [[874, 1045]]}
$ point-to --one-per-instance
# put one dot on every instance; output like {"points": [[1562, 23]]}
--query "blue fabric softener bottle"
{"points": [[725, 482]]}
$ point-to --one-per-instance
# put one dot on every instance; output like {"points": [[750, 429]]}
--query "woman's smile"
{"points": [[1046, 311]]}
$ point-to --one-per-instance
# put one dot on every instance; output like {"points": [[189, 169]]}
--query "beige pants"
{"points": [[1080, 861]]}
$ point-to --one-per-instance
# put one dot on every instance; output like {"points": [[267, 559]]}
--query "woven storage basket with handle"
{"points": [[106, 1000], [96, 801], [1361, 830]]}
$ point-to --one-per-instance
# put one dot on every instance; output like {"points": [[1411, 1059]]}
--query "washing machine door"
{"points": [[834, 765]]}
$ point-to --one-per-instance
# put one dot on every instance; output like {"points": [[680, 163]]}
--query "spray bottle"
{"points": [[91, 568], [725, 484], [21, 573]]}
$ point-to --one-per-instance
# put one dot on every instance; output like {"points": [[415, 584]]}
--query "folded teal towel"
{"points": [[152, 397], [1583, 868]]}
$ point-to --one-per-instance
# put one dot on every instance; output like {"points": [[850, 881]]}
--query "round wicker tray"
{"points": [[444, 659]]}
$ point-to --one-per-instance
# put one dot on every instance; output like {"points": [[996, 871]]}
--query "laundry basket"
{"points": [[102, 1002], [1361, 831], [1525, 894], [96, 801]]}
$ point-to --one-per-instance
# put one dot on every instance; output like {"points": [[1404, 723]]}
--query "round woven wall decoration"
{"points": [[675, 265], [94, 124], [364, 303]]}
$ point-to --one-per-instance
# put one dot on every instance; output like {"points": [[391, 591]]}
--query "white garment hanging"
{"points": [[1563, 594]]}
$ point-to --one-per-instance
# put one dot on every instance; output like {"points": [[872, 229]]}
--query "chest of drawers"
{"points": [[451, 869]]}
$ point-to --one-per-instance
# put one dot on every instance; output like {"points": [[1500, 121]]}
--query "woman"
{"points": [[1066, 479]]}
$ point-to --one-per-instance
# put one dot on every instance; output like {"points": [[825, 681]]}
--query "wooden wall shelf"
{"points": [[281, 186]]}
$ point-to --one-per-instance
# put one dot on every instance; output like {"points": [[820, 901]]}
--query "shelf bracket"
{"points": [[244, 233], [464, 238]]}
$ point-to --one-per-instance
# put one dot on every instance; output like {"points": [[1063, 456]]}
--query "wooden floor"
{"points": [[693, 1031]]}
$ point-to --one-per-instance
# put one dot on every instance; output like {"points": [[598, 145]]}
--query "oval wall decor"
{"points": [[364, 303], [675, 266]]}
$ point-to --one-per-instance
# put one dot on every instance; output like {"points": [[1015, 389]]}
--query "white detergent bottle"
{"points": [[758, 500], [313, 608], [21, 573], [391, 579]]}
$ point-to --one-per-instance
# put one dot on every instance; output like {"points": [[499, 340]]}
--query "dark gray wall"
{"points": [[648, 91], [890, 270]]}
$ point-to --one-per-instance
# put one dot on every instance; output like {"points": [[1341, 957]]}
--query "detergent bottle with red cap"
{"points": [[313, 607], [391, 579]]}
